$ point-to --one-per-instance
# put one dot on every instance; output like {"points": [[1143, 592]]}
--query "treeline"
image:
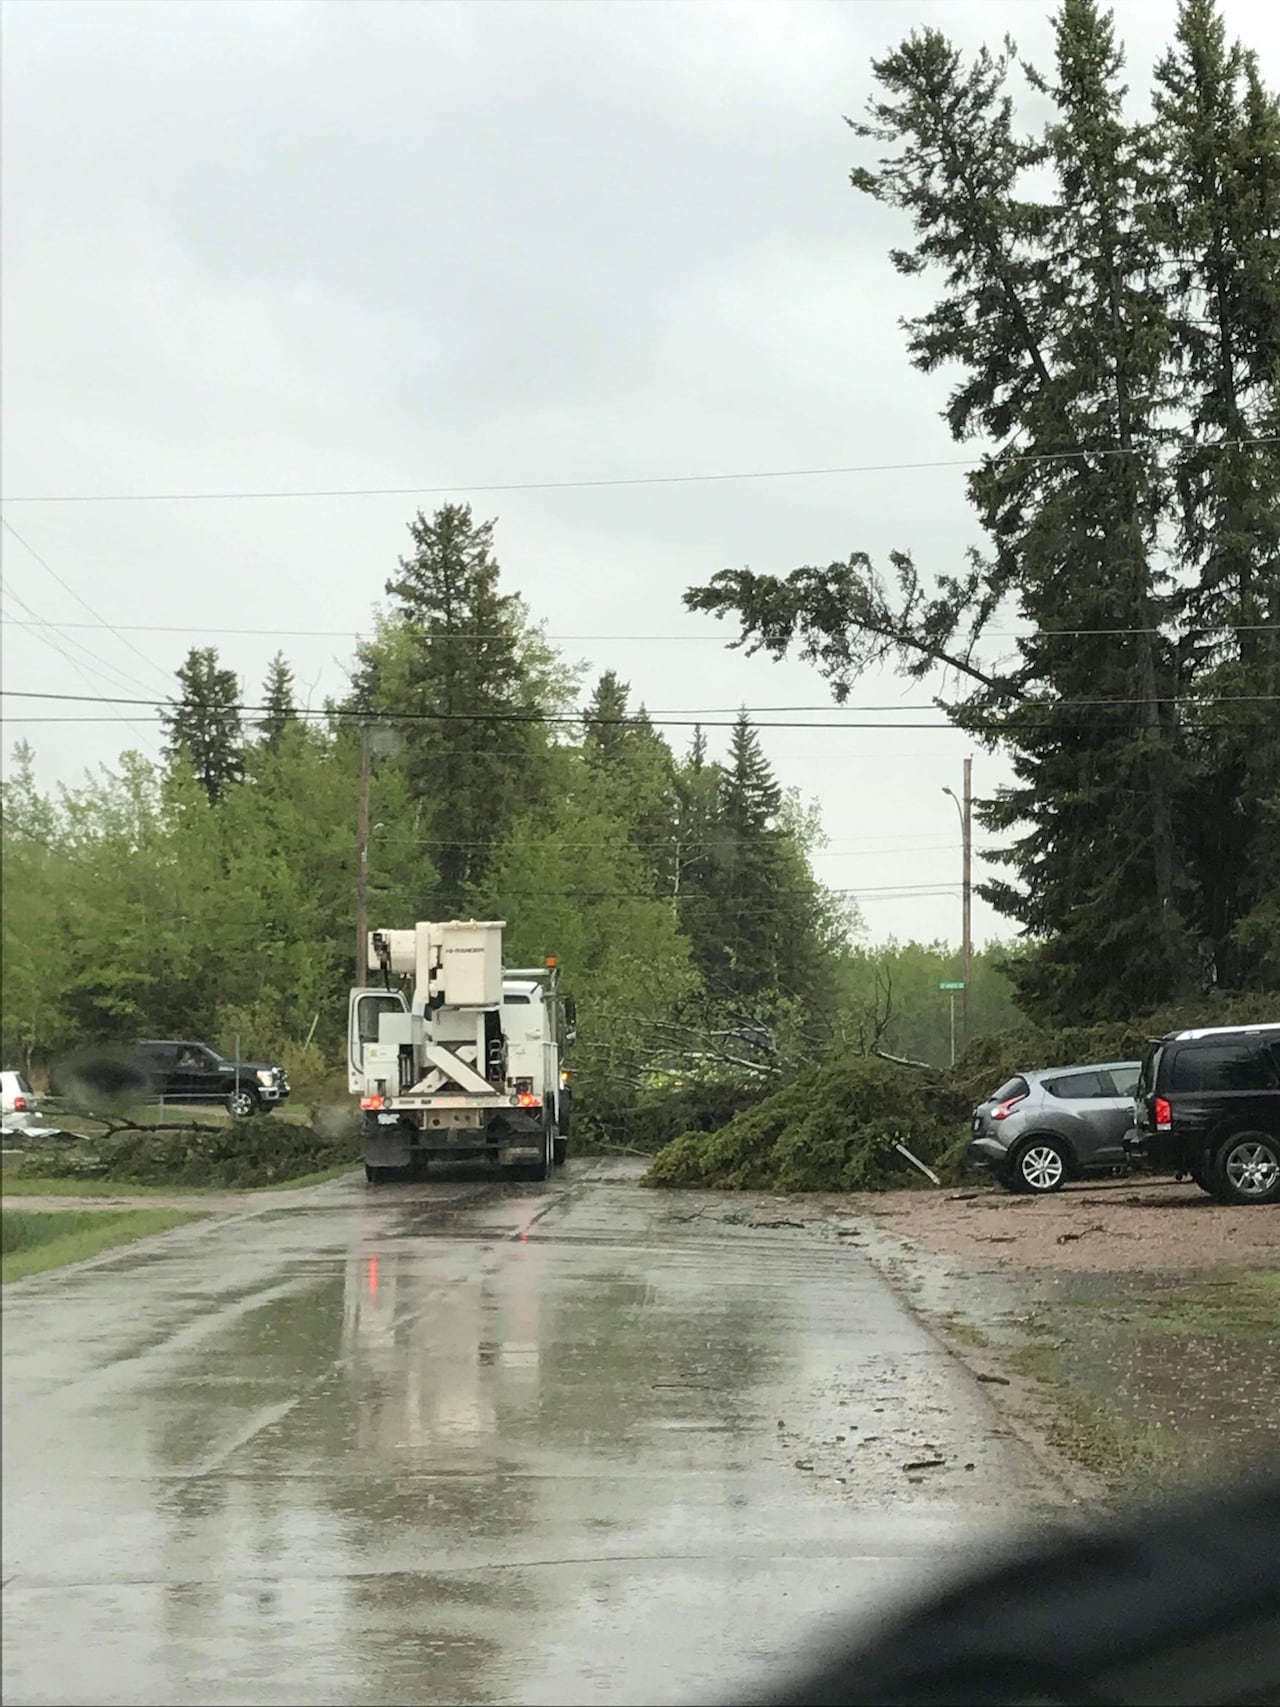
{"points": [[1108, 307], [212, 894]]}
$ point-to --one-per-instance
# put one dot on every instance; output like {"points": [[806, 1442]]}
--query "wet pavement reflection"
{"points": [[462, 1442]]}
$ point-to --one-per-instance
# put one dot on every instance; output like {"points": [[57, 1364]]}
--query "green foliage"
{"points": [[833, 1127], [240, 1153], [277, 697], [1107, 297], [460, 657], [889, 994], [226, 913], [203, 727]]}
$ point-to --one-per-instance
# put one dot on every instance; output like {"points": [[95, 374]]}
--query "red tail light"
{"points": [[1003, 1110], [19, 1105], [1164, 1114], [528, 1100], [371, 1102]]}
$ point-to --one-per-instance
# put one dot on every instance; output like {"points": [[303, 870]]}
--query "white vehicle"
{"points": [[466, 1063], [20, 1107]]}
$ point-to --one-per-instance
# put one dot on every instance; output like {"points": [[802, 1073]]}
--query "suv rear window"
{"points": [[1014, 1088], [1247, 1064], [1077, 1085]]}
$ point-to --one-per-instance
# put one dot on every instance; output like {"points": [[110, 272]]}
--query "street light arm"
{"points": [[959, 808]]}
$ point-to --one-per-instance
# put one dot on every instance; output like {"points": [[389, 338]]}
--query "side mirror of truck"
{"points": [[570, 1012]]}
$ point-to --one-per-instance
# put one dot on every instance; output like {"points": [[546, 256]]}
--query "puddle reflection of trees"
{"points": [[434, 1407]]}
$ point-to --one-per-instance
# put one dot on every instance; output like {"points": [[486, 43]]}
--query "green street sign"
{"points": [[959, 986]]}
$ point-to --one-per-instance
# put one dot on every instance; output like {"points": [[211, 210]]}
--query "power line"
{"points": [[462, 487], [88, 672], [585, 639], [66, 586], [574, 719]]}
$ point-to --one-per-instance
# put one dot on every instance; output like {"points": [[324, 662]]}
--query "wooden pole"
{"points": [[966, 949], [362, 862]]}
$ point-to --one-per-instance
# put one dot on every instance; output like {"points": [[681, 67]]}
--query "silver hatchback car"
{"points": [[1044, 1128]]}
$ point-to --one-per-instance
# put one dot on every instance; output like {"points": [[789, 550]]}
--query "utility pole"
{"points": [[362, 861], [966, 946], [965, 809]]}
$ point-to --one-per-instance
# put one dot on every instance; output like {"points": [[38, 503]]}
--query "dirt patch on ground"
{"points": [[1112, 1226]]}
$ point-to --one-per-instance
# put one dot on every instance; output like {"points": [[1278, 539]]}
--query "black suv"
{"points": [[1208, 1105], [194, 1073]]}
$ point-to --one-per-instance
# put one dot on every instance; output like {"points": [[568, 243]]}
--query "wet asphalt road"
{"points": [[468, 1442]]}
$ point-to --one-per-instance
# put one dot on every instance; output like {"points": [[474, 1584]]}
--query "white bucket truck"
{"points": [[460, 1057]]}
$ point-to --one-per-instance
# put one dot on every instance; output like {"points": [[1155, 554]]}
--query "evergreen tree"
{"points": [[471, 683], [604, 720], [277, 696], [1071, 333], [1220, 226], [760, 928], [203, 727]]}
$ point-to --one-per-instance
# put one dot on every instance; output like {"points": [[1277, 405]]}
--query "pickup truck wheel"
{"points": [[1246, 1169], [1040, 1166], [242, 1103]]}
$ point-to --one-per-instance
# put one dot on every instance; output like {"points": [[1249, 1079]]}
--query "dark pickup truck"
{"points": [[182, 1072]]}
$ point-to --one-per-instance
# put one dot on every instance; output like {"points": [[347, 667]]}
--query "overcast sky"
{"points": [[290, 247]]}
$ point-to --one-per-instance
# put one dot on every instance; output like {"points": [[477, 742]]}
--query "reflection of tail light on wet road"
{"points": [[414, 1358]]}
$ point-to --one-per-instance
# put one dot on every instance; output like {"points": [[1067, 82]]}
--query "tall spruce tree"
{"points": [[1061, 314], [277, 697], [203, 727], [758, 921], [1219, 224], [466, 680], [604, 720]]}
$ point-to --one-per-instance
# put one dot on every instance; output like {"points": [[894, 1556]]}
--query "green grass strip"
{"points": [[36, 1240]]}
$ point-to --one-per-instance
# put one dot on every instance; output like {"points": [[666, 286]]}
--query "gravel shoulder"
{"points": [[1108, 1226], [1132, 1329]]}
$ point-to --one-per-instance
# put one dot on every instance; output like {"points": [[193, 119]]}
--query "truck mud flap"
{"points": [[387, 1146]]}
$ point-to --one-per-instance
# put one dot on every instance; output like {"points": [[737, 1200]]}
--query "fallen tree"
{"points": [[238, 1153], [835, 1127]]}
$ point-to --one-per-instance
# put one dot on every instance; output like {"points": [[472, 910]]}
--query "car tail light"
{"points": [[528, 1100], [19, 1105], [1164, 1114], [371, 1102], [1003, 1110]]}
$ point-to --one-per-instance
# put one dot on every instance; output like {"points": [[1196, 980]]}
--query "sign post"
{"points": [[952, 986]]}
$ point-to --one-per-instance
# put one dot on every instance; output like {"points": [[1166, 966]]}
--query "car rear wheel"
{"points": [[1246, 1169], [1040, 1167]]}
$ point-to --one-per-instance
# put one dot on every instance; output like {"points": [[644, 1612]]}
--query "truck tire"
{"points": [[242, 1103], [382, 1176], [561, 1150]]}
